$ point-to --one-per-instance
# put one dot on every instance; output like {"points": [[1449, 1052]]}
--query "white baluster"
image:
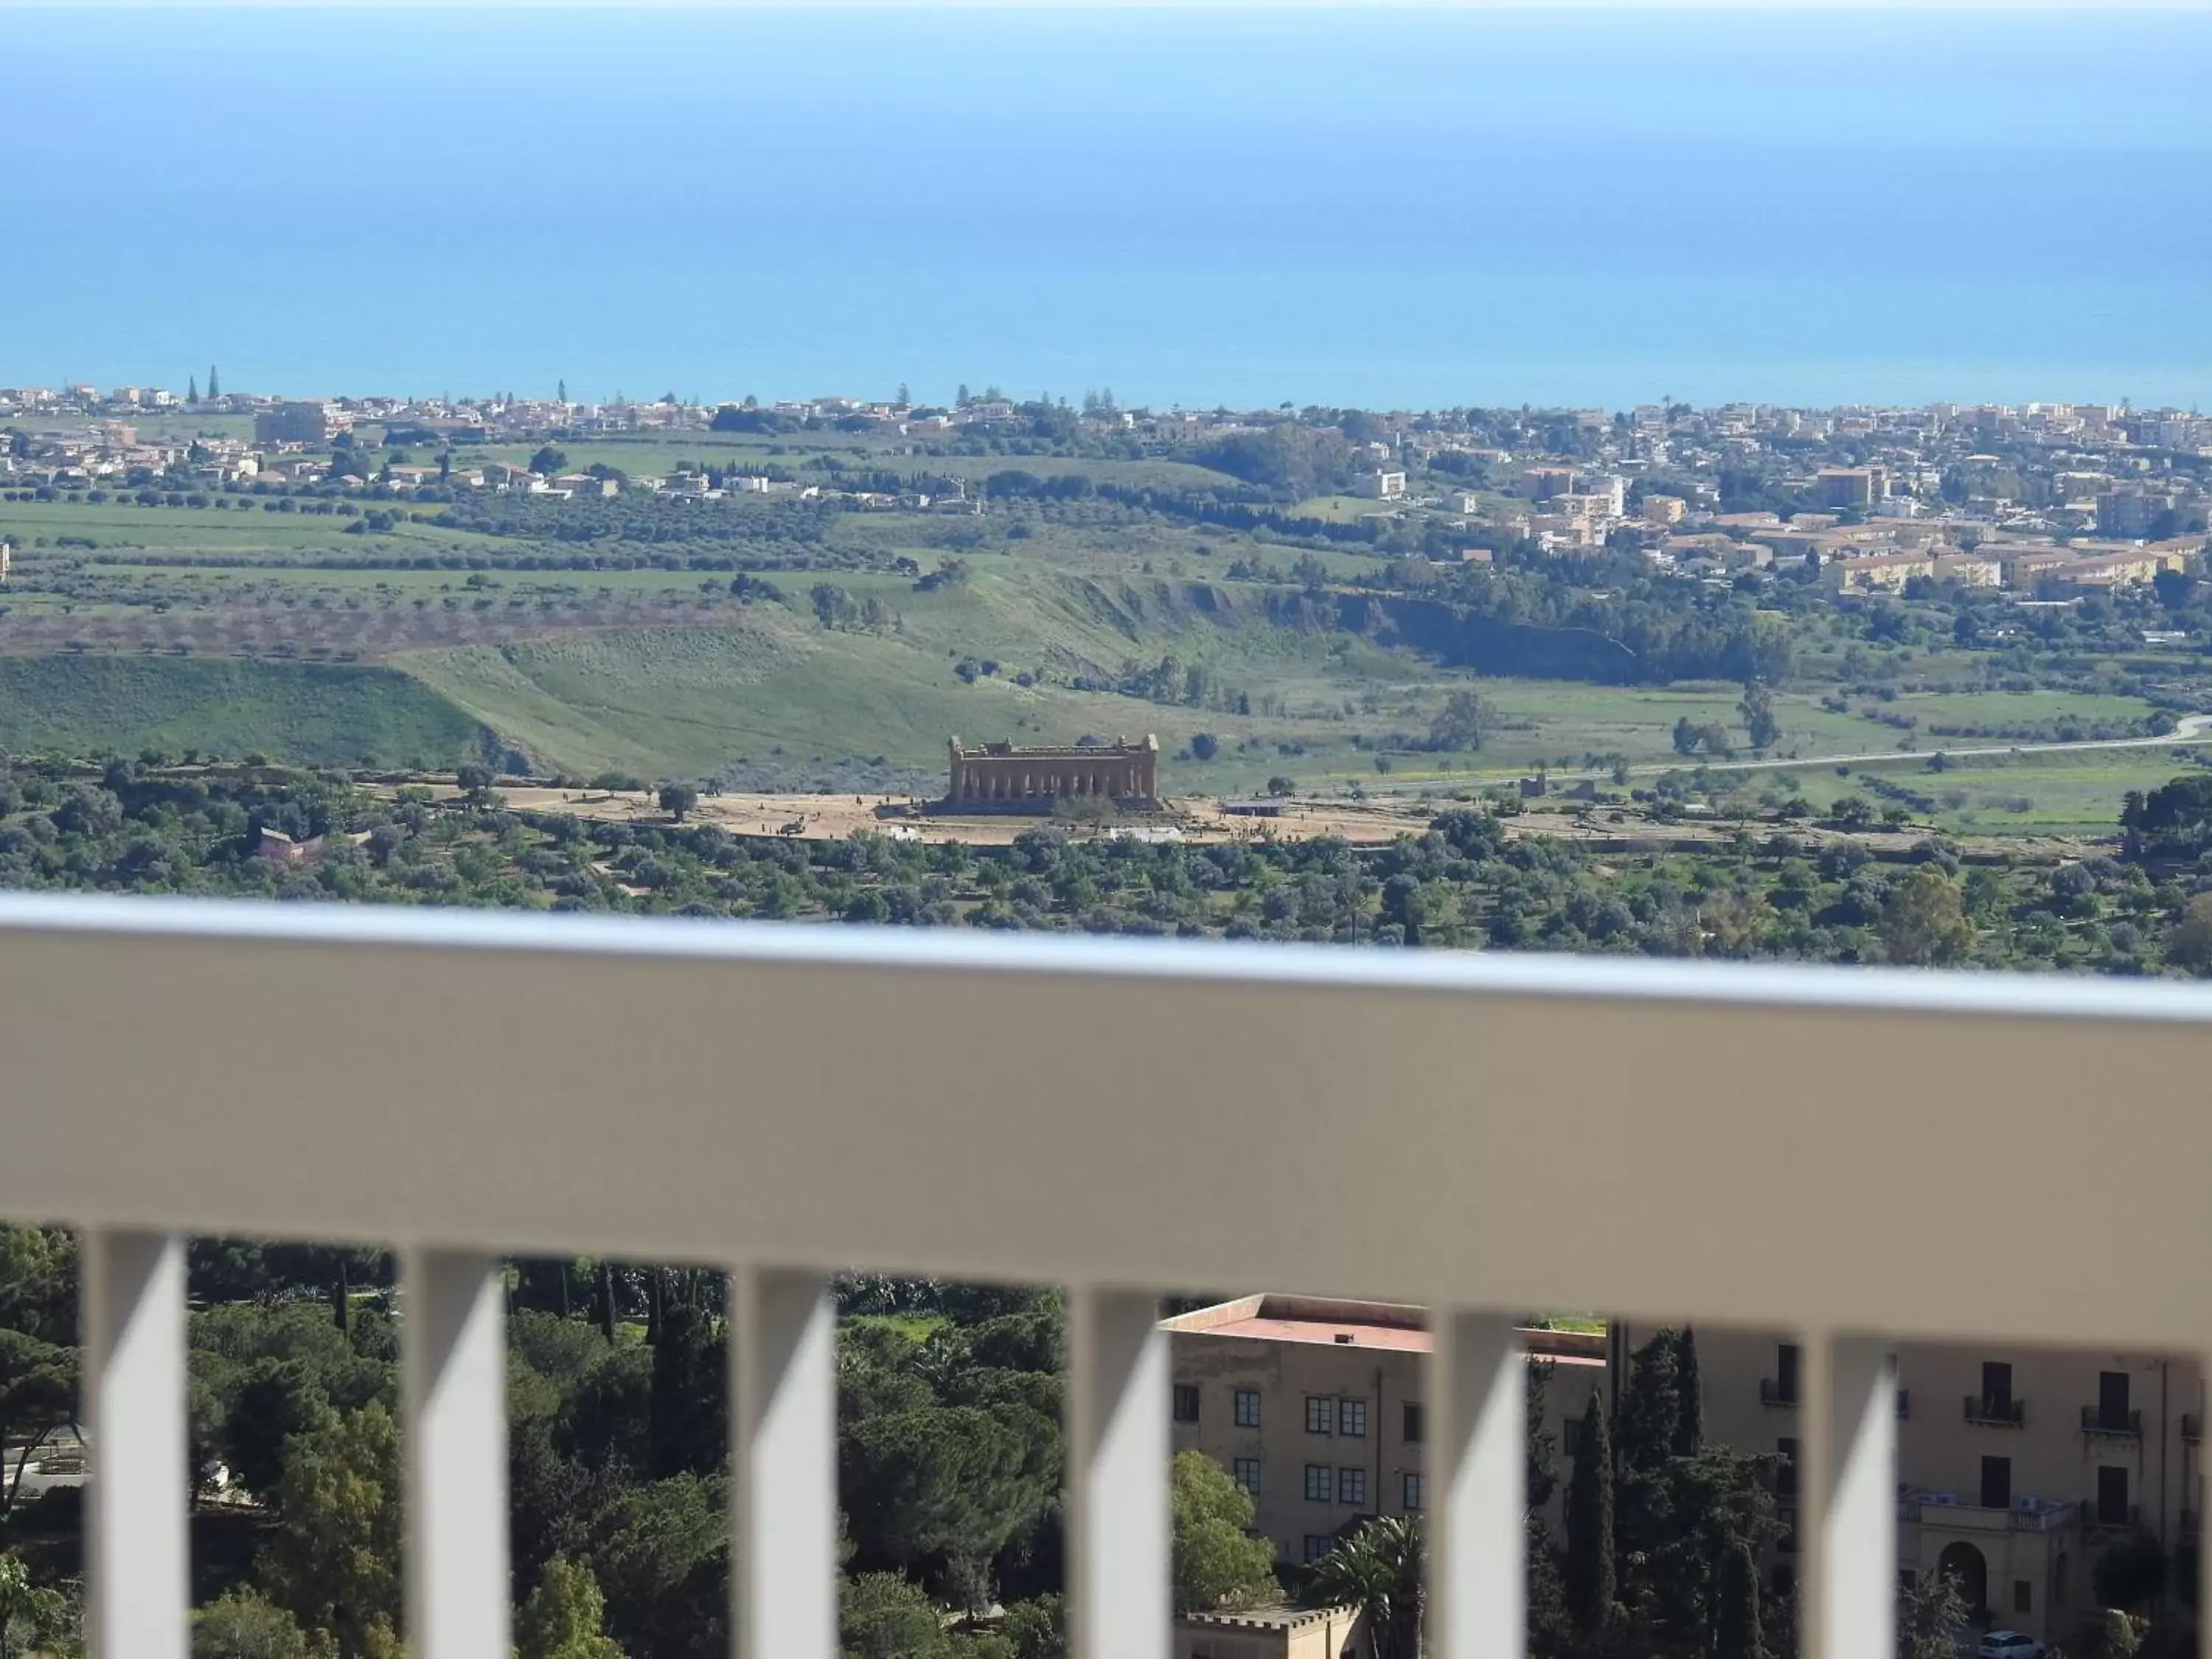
{"points": [[1478, 1488], [1117, 1467], [454, 1335], [138, 1583], [783, 1502], [1847, 1498]]}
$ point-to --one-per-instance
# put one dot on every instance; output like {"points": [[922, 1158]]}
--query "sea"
{"points": [[1386, 207]]}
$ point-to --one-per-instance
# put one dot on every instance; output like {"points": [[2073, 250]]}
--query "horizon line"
{"points": [[768, 404], [1768, 8]]}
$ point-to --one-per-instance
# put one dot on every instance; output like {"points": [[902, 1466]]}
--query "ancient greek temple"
{"points": [[999, 776]]}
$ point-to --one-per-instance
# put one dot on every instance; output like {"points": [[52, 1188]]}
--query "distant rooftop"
{"points": [[1275, 1618], [1326, 1321]]}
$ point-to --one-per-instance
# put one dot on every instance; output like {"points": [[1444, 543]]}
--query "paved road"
{"points": [[2189, 728]]}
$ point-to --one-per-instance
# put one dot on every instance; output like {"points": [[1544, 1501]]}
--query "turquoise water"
{"points": [[1375, 207]]}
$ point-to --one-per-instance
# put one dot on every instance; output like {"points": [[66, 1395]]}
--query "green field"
{"points": [[288, 632], [321, 715], [2063, 793], [648, 454]]}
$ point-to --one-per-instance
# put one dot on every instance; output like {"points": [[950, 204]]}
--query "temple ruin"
{"points": [[1000, 777]]}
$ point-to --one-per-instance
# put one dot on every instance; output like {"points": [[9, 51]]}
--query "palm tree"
{"points": [[1377, 1569]]}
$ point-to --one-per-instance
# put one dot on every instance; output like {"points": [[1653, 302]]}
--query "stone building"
{"points": [[1314, 1406], [1000, 777], [308, 421]]}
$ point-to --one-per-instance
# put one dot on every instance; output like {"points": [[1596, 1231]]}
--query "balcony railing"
{"points": [[2124, 1518], [1996, 1414], [1777, 1393], [2096, 1420], [1922, 1507], [1119, 1117]]}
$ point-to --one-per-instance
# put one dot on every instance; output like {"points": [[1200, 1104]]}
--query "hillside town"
{"points": [[2044, 501]]}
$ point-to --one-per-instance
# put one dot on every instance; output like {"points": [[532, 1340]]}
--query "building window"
{"points": [[1416, 1494], [1247, 1408], [1570, 1436], [1321, 1413], [1186, 1402], [1321, 1482], [2023, 1596], [1907, 1579], [1351, 1417], [2112, 1497], [1787, 1356], [1351, 1484], [2112, 1401], [1785, 1472], [1416, 1424], [1246, 1471], [1996, 1483], [1316, 1546], [1997, 1387]]}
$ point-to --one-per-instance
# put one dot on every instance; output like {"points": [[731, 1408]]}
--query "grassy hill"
{"points": [[669, 702], [313, 713]]}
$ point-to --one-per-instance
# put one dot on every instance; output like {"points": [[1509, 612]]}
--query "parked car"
{"points": [[2008, 1644]]}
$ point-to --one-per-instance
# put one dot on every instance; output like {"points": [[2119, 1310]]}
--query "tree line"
{"points": [[1470, 879]]}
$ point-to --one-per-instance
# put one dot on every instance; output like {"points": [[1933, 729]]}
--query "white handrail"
{"points": [[1487, 1134]]}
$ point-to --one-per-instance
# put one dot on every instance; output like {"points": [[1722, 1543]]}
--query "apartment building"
{"points": [[1850, 486], [1316, 1407], [2016, 1466], [1875, 572], [306, 421], [2132, 512]]}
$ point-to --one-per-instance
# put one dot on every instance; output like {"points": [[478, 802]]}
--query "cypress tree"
{"points": [[687, 1422], [1589, 1585], [215, 382], [1689, 1406], [1539, 1480], [192, 390], [1651, 1410], [1737, 1629]]}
